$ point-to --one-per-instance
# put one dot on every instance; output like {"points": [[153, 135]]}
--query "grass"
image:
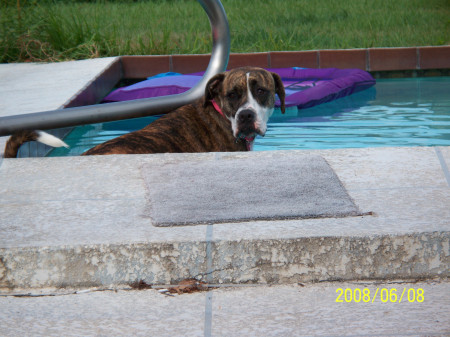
{"points": [[65, 30]]}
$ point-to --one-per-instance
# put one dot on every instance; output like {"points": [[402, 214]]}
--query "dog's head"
{"points": [[246, 97]]}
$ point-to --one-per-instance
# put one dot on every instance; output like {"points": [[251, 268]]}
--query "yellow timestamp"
{"points": [[384, 295]]}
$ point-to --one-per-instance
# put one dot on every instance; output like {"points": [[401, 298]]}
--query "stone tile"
{"points": [[427, 206], [69, 178], [123, 313], [58, 82], [285, 59], [312, 310], [141, 67], [387, 167], [186, 64], [350, 58], [74, 222], [382, 59], [250, 59], [434, 57]]}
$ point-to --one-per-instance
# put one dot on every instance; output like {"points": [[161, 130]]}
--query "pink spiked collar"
{"points": [[248, 140]]}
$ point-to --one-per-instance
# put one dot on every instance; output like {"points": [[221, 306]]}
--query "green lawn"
{"points": [[65, 30]]}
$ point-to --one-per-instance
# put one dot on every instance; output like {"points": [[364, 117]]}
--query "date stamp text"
{"points": [[383, 295]]}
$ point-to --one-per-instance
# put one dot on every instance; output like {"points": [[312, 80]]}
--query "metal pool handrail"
{"points": [[137, 108]]}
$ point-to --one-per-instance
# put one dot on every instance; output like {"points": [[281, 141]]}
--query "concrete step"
{"points": [[86, 221], [286, 310]]}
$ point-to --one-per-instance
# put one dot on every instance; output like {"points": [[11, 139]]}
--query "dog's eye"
{"points": [[232, 95], [261, 91]]}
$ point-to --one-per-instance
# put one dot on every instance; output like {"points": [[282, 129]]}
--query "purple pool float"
{"points": [[305, 88]]}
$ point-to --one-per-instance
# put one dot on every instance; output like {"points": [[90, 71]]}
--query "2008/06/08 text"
{"points": [[384, 295]]}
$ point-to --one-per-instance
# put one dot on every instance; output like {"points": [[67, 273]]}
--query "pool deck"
{"points": [[83, 223]]}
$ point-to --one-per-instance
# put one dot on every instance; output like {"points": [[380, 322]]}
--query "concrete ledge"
{"points": [[414, 256], [81, 221]]}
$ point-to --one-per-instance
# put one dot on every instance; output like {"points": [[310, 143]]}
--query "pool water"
{"points": [[395, 112]]}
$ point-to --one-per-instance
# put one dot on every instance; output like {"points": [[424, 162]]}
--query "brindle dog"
{"points": [[234, 109]]}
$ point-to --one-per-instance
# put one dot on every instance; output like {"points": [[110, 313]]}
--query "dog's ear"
{"points": [[279, 89], [213, 87]]}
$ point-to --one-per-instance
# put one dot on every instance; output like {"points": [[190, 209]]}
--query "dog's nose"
{"points": [[246, 116]]}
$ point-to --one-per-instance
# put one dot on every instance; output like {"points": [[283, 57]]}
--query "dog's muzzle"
{"points": [[246, 124]]}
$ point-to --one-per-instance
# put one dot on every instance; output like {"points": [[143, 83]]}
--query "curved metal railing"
{"points": [[137, 108]]}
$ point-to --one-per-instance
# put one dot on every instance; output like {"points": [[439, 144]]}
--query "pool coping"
{"points": [[373, 60]]}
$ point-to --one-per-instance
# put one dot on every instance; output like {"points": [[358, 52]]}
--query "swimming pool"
{"points": [[395, 112]]}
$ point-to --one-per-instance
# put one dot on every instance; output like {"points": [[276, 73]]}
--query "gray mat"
{"points": [[239, 189]]}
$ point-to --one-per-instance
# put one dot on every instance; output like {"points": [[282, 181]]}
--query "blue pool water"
{"points": [[395, 112]]}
